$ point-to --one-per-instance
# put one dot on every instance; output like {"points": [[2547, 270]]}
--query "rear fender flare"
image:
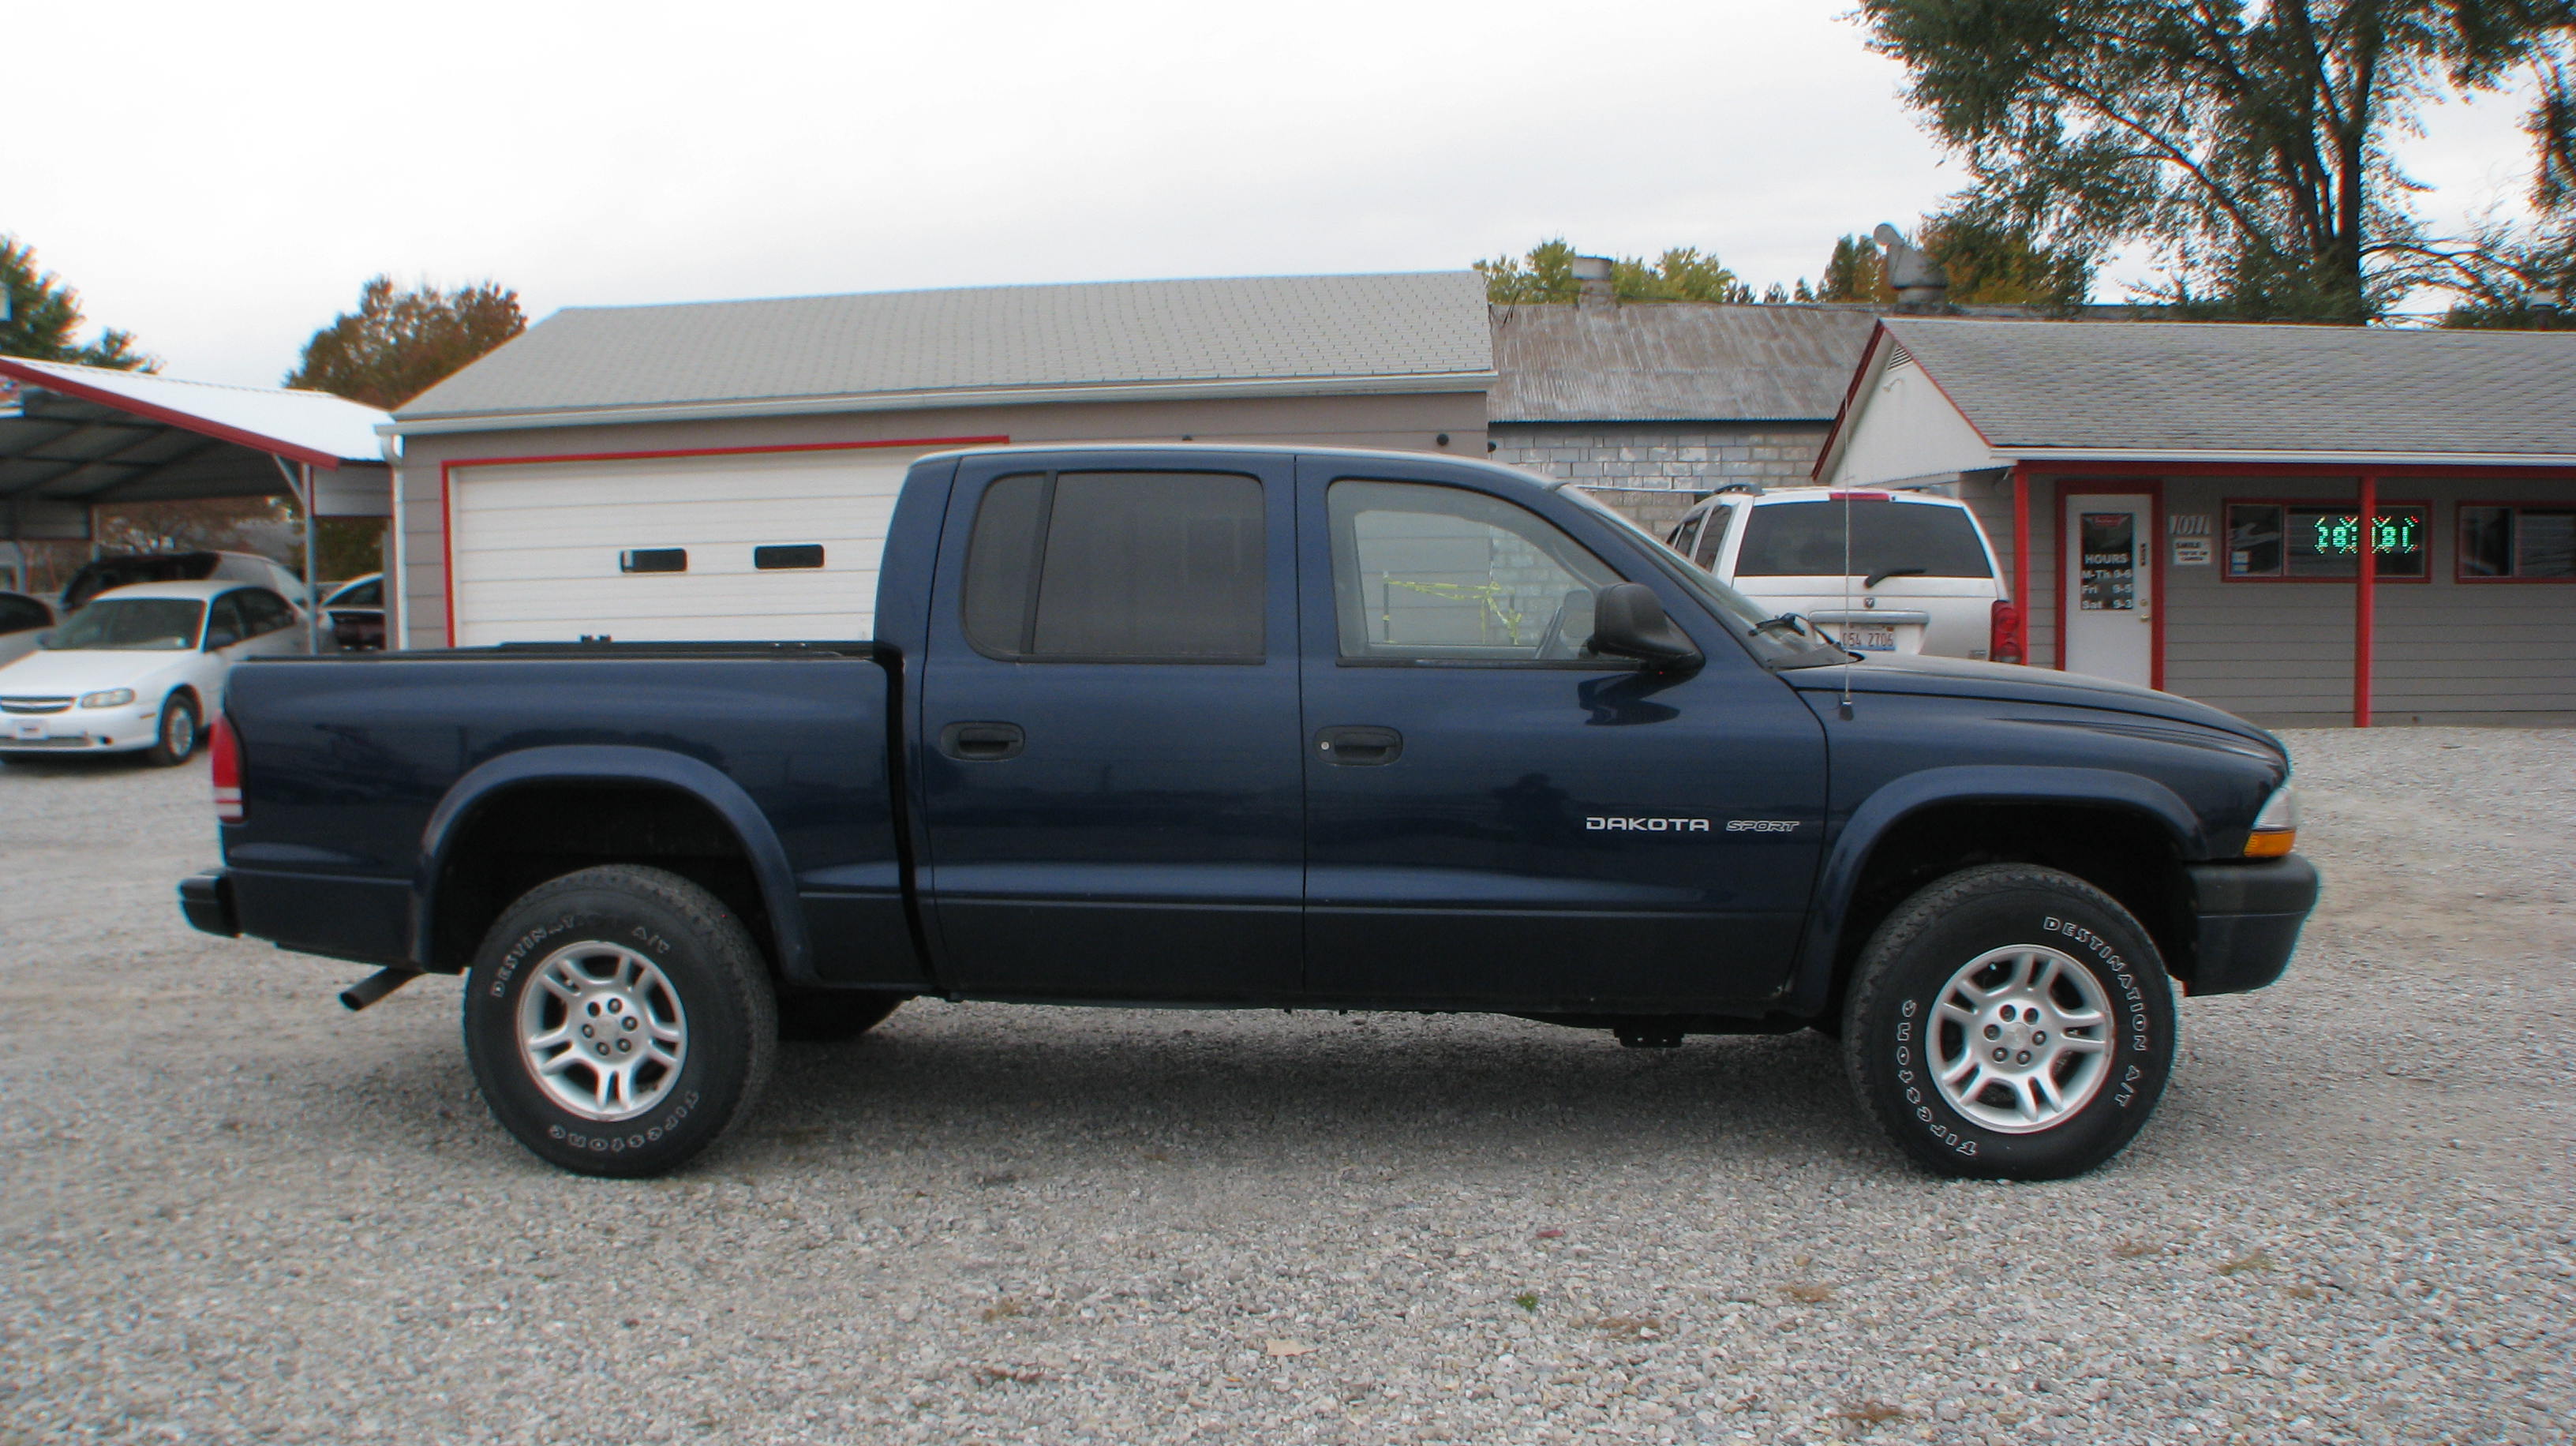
{"points": [[1811, 984], [615, 763]]}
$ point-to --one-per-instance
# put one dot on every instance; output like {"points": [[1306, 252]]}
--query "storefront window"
{"points": [[2499, 542], [2322, 540]]}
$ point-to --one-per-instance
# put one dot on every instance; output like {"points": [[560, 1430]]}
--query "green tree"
{"points": [[1546, 274], [1855, 272], [2247, 143], [399, 344], [43, 314]]}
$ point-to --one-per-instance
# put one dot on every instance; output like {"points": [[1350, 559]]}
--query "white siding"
{"points": [[537, 546], [1904, 427]]}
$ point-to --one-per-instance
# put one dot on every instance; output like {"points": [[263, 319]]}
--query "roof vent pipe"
{"points": [[1592, 282], [1921, 284]]}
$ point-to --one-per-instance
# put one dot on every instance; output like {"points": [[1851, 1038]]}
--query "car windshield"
{"points": [[1791, 644], [165, 623], [1805, 539]]}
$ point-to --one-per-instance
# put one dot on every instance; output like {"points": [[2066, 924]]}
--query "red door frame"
{"points": [[446, 494], [2153, 489]]}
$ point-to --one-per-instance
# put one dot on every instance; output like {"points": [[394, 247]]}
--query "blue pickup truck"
{"points": [[1245, 727]]}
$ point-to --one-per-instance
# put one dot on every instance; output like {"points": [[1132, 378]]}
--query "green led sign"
{"points": [[2339, 534]]}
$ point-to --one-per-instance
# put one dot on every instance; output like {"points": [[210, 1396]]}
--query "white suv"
{"points": [[1915, 573]]}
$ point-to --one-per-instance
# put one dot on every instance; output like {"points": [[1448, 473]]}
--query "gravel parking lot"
{"points": [[230, 1211]]}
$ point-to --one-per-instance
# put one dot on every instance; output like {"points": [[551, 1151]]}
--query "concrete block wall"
{"points": [[1651, 470]]}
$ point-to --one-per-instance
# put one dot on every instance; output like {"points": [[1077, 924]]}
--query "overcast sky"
{"points": [[220, 179]]}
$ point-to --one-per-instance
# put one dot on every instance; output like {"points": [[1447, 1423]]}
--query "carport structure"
{"points": [[77, 437]]}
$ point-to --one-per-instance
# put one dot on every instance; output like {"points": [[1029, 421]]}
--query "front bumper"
{"points": [[207, 899], [2247, 921]]}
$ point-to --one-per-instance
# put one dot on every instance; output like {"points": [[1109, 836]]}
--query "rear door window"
{"points": [[1805, 539], [1124, 567], [265, 611]]}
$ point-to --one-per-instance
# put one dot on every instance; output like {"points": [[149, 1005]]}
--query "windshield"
{"points": [[1793, 644], [1805, 539], [165, 623]]}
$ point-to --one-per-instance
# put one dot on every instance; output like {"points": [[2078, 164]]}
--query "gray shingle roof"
{"points": [[1673, 361], [932, 348], [2163, 387]]}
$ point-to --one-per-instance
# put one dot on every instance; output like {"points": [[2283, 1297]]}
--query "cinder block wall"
{"points": [[1651, 471]]}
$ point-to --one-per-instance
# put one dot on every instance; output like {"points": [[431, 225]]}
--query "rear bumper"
{"points": [[2248, 919], [207, 899]]}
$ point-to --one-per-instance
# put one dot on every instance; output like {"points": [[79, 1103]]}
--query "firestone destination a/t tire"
{"points": [[619, 1020], [2009, 1022]]}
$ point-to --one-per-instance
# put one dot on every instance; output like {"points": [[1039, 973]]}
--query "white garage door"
{"points": [[673, 549]]}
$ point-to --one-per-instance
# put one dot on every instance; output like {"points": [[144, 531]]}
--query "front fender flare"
{"points": [[1811, 982], [616, 763]]}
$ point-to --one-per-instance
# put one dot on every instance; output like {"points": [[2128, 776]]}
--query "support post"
{"points": [[2366, 601], [2022, 600]]}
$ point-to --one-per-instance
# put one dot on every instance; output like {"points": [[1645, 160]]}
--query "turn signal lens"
{"points": [[2276, 828], [226, 757]]}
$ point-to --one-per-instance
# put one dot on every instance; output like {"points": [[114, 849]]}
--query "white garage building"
{"points": [[727, 470]]}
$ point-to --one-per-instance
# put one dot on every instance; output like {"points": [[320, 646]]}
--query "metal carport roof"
{"points": [[79, 436]]}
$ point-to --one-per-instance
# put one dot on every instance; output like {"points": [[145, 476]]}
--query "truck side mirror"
{"points": [[1629, 621]]}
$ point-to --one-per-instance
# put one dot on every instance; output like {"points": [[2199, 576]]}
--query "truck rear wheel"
{"points": [[619, 1020], [2009, 1022]]}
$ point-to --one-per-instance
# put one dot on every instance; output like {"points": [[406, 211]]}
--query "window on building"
{"points": [[1117, 567], [2515, 543], [2322, 540]]}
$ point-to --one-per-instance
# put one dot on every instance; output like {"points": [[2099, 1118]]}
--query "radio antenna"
{"points": [[1847, 603]]}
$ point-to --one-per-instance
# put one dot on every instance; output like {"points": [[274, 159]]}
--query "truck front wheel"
{"points": [[619, 1020], [2009, 1022]]}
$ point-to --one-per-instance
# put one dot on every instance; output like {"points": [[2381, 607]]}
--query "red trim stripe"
{"points": [[47, 381]]}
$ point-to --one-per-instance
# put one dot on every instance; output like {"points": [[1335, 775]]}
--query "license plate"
{"points": [[27, 728], [1870, 640]]}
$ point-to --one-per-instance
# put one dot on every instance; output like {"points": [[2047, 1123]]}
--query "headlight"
{"points": [[112, 698], [2276, 828]]}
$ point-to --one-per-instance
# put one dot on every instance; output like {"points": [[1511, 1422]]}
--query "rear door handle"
{"points": [[1359, 746], [982, 742]]}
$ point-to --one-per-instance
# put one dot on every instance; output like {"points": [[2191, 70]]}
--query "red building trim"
{"points": [[446, 492]]}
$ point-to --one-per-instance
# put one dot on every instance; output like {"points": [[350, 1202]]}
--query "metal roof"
{"points": [[80, 435], [2167, 389], [1271, 335], [1674, 361]]}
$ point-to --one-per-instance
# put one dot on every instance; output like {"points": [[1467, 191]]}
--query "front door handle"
{"points": [[1359, 746], [982, 742]]}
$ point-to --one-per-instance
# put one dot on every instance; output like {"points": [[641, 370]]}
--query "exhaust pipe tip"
{"points": [[374, 987]]}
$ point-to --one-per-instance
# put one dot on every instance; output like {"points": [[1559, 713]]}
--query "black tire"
{"points": [[1898, 1042], [828, 1015], [696, 972], [177, 734]]}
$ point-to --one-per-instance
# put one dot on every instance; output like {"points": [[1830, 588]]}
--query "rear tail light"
{"points": [[225, 748], [2004, 640]]}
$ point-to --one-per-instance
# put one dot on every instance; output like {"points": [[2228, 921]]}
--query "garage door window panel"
{"points": [[1117, 567]]}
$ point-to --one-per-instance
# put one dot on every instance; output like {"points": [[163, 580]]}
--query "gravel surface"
{"points": [[229, 1211]]}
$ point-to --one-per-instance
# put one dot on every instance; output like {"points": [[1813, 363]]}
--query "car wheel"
{"points": [[176, 741], [2009, 1022], [619, 1020], [833, 1014]]}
